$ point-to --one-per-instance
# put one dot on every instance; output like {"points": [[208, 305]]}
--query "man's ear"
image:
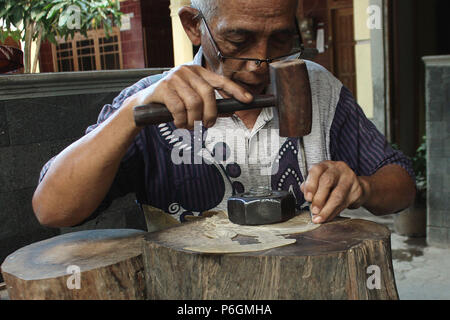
{"points": [[191, 24]]}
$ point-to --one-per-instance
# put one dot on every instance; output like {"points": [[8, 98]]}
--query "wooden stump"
{"points": [[330, 262], [110, 264]]}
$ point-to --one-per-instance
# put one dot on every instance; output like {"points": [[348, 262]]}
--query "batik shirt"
{"points": [[189, 172]]}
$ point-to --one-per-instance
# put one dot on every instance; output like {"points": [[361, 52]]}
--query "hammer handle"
{"points": [[157, 113]]}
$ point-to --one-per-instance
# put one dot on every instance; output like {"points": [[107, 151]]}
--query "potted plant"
{"points": [[412, 222]]}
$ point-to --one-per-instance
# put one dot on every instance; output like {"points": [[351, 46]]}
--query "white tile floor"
{"points": [[421, 272]]}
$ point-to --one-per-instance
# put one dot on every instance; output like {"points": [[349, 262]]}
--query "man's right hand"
{"points": [[189, 94], [81, 175]]}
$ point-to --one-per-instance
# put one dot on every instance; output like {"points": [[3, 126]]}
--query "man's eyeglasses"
{"points": [[295, 53]]}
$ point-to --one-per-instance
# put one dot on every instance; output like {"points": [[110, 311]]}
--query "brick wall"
{"points": [[132, 40]]}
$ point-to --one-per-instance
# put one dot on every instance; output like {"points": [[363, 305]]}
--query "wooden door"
{"points": [[157, 31], [343, 41]]}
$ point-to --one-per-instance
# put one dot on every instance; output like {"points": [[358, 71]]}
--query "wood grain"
{"points": [[110, 262], [327, 263]]}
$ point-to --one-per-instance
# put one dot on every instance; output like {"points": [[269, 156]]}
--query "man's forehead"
{"points": [[257, 8], [244, 15]]}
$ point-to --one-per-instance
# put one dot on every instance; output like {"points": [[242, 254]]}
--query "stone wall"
{"points": [[40, 115], [438, 144]]}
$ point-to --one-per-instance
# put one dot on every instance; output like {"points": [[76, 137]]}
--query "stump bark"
{"points": [[334, 261], [110, 264]]}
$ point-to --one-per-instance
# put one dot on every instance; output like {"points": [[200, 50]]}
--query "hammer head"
{"points": [[290, 84], [261, 206]]}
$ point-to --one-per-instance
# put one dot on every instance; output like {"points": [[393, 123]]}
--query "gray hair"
{"points": [[207, 7]]}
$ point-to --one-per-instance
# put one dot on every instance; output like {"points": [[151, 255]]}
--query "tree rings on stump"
{"points": [[94, 264]]}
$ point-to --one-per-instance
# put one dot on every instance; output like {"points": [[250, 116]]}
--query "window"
{"points": [[96, 52], [65, 57]]}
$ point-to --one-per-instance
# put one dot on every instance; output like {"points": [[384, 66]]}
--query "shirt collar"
{"points": [[198, 59]]}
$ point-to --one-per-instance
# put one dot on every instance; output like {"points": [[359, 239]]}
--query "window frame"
{"points": [[91, 35]]}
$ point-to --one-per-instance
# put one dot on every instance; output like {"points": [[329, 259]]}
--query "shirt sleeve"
{"points": [[131, 167], [355, 140]]}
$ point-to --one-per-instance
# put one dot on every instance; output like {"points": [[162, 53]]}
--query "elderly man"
{"points": [[350, 163]]}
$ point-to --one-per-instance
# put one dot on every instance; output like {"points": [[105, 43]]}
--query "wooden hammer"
{"points": [[292, 97]]}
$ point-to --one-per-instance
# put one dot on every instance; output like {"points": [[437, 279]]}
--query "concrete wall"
{"points": [[438, 146], [363, 57], [380, 70], [40, 115]]}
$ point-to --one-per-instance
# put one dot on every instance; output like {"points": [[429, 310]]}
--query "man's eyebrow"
{"points": [[246, 32], [240, 32]]}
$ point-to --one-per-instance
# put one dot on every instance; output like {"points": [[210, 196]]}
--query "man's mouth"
{"points": [[256, 88]]}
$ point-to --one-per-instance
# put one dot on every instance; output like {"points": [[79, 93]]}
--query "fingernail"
{"points": [[248, 96], [317, 220], [309, 196], [315, 210]]}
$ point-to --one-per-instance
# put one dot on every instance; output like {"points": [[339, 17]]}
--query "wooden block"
{"points": [[109, 261], [330, 262]]}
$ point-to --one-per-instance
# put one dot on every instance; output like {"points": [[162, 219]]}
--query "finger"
{"points": [[192, 101], [330, 217], [207, 93], [336, 203], [176, 106], [312, 182], [228, 86], [327, 181]]}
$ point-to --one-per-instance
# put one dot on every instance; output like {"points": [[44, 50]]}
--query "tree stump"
{"points": [[109, 263], [335, 261]]}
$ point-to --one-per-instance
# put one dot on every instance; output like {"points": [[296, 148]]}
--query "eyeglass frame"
{"points": [[258, 62]]}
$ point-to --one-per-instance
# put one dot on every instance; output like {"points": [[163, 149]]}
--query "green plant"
{"points": [[40, 20]]}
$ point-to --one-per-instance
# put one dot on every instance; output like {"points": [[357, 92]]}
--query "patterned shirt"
{"points": [[189, 172]]}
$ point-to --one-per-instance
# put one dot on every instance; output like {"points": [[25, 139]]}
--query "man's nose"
{"points": [[260, 52]]}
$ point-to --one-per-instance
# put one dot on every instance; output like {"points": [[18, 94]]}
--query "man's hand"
{"points": [[189, 94], [332, 187]]}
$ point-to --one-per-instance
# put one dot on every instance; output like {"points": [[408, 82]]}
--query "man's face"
{"points": [[258, 29]]}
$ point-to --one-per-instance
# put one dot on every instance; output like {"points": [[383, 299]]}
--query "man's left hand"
{"points": [[332, 187]]}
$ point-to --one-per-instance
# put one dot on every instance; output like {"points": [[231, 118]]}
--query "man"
{"points": [[349, 162]]}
